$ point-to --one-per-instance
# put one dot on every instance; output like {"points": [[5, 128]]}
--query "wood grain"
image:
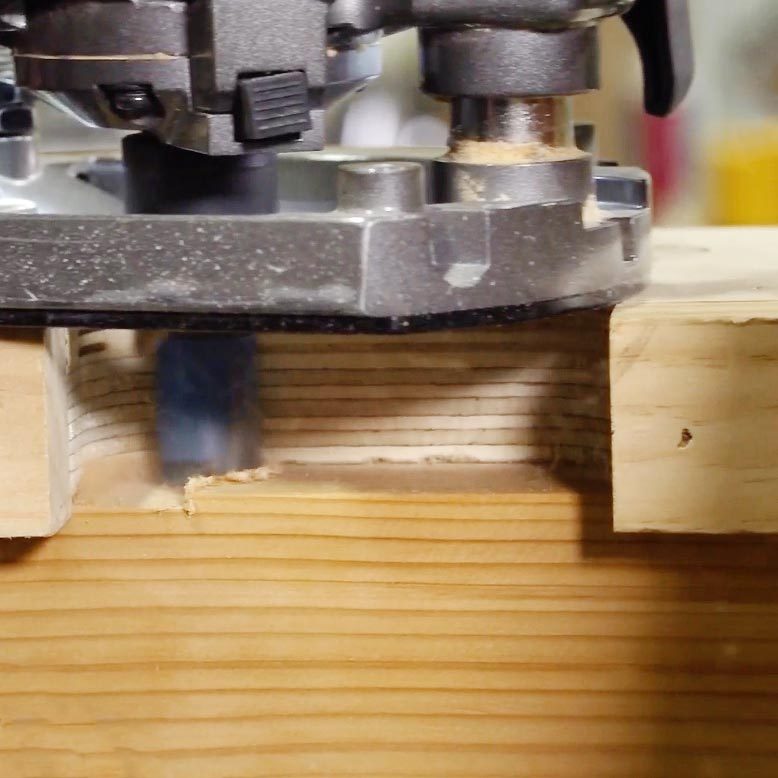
{"points": [[535, 393], [432, 620], [531, 393], [694, 370], [35, 495], [694, 410]]}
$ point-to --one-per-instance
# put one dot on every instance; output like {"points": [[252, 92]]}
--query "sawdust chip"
{"points": [[196, 484]]}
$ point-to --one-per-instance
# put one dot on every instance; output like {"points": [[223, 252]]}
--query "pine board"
{"points": [[406, 621]]}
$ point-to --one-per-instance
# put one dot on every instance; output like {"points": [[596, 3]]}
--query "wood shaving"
{"points": [[197, 483], [593, 215]]}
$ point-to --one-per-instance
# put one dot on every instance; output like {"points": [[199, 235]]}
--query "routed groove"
{"points": [[552, 387]]}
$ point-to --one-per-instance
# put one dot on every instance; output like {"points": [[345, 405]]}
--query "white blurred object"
{"points": [[736, 61], [423, 130], [372, 119], [392, 111]]}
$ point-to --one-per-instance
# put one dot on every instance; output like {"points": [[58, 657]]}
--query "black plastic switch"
{"points": [[273, 105]]}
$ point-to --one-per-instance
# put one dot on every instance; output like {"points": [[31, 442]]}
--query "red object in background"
{"points": [[665, 155]]}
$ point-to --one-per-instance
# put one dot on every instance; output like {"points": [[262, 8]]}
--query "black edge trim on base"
{"points": [[327, 325]]}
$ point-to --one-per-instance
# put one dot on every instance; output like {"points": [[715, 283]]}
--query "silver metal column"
{"points": [[540, 120]]}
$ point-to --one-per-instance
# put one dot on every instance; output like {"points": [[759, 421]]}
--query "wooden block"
{"points": [[35, 496], [59, 413], [694, 371]]}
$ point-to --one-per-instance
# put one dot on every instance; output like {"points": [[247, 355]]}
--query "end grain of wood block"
{"points": [[35, 498], [694, 395]]}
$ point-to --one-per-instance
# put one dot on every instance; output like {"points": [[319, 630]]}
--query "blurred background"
{"points": [[714, 162]]}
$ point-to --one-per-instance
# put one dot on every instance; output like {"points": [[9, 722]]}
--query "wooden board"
{"points": [[388, 621], [35, 493], [694, 382], [696, 418]]}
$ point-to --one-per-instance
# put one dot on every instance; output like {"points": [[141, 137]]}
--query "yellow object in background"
{"points": [[744, 176]]}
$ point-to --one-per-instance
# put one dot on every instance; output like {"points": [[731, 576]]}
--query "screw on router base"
{"points": [[133, 101]]}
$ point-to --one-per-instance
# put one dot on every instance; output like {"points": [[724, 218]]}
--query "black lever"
{"points": [[662, 31]]}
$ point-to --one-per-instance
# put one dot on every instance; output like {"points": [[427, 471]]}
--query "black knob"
{"points": [[662, 31]]}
